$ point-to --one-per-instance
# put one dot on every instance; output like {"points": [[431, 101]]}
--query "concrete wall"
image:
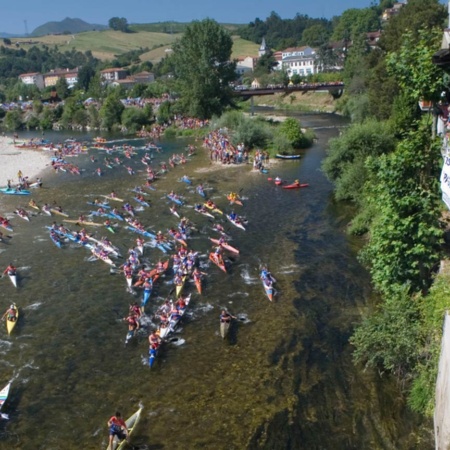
{"points": [[442, 408]]}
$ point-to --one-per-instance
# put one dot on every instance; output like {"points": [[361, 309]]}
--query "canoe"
{"points": [[13, 191], [116, 199], [224, 328], [279, 156], [235, 223], [225, 246], [83, 222], [132, 423], [13, 278], [3, 396], [295, 186], [213, 258], [10, 324]]}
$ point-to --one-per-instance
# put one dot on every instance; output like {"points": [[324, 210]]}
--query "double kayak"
{"points": [[295, 186], [131, 423], [236, 222], [174, 320]]}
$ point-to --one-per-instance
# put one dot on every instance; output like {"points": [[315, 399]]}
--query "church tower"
{"points": [[263, 49]]}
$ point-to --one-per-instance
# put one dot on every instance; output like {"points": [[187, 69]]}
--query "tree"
{"points": [[7, 41], [85, 75], [265, 64], [203, 69], [134, 119], [292, 129], [354, 22], [62, 88], [111, 111], [13, 120], [316, 35], [119, 24]]}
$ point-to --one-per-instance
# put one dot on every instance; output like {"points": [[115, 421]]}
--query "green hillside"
{"points": [[106, 44], [67, 25]]}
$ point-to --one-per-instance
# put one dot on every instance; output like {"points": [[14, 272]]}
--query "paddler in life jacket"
{"points": [[117, 428], [297, 182], [135, 309], [218, 252], [133, 322], [154, 340], [10, 314], [10, 270], [225, 317]]}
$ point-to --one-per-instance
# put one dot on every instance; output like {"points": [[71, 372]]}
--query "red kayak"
{"points": [[295, 186], [217, 262]]}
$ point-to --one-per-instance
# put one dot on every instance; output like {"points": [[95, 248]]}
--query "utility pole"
{"points": [[26, 27]]}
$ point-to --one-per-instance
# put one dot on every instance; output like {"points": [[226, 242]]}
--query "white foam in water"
{"points": [[238, 294], [178, 342], [245, 274], [5, 344], [24, 268], [204, 307], [2, 250]]}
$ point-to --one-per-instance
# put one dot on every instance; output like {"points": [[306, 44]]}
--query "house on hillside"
{"points": [[70, 75], [244, 65], [114, 74], [34, 78], [372, 38], [127, 82], [299, 61], [144, 77], [388, 13]]}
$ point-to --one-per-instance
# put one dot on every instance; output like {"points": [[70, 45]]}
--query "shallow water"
{"points": [[284, 377]]}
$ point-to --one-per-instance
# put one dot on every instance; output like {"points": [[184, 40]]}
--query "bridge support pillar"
{"points": [[252, 106]]}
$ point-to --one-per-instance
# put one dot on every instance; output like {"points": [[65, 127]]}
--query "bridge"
{"points": [[334, 88]]}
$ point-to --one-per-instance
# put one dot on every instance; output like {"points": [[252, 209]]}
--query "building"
{"points": [[263, 49], [299, 61], [115, 74], [244, 65], [34, 78], [372, 38], [70, 75], [144, 77], [388, 13]]}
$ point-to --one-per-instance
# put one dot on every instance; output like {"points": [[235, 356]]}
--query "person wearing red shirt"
{"points": [[117, 427]]}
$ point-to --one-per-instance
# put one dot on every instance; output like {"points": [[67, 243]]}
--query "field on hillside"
{"points": [[241, 49], [103, 44]]}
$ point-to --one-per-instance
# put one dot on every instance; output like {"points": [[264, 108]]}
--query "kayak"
{"points": [[100, 205], [158, 274], [105, 259], [6, 227], [205, 213], [201, 192], [13, 278], [224, 328], [3, 396], [174, 319], [186, 180], [175, 199], [139, 231], [60, 213], [22, 215], [221, 266], [174, 211], [279, 156], [10, 324], [269, 290], [13, 191], [142, 202], [83, 222], [116, 199], [225, 245], [198, 284], [55, 240], [295, 186], [179, 287], [33, 205], [213, 208], [236, 223], [131, 423], [234, 201], [145, 298]]}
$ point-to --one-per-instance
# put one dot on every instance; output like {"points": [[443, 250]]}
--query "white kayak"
{"points": [[3, 396]]}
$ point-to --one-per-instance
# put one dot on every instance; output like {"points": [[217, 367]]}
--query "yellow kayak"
{"points": [[10, 324], [131, 425]]}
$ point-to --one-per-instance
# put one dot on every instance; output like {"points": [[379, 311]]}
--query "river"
{"points": [[284, 379]]}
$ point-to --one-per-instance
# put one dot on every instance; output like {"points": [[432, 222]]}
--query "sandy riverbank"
{"points": [[13, 159]]}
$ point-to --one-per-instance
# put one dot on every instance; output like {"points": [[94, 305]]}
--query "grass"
{"points": [[106, 44]]}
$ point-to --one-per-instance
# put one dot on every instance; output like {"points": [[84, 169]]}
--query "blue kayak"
{"points": [[175, 200], [14, 191], [143, 232]]}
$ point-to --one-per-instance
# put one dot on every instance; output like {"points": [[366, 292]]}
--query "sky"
{"points": [[37, 12]]}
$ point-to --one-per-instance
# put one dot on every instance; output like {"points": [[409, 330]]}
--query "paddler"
{"points": [[154, 340], [117, 427], [10, 270], [218, 252], [133, 322], [10, 314], [297, 182], [225, 317]]}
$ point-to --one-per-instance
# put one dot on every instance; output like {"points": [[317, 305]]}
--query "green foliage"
{"points": [[292, 129], [387, 339], [118, 24], [353, 148], [85, 75], [33, 122], [47, 118], [111, 110], [13, 120], [62, 88], [230, 120], [282, 145], [356, 22], [412, 65], [252, 134], [164, 112], [134, 119], [203, 69], [405, 238], [94, 119]]}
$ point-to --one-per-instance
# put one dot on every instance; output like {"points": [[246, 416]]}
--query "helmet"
{"points": [[12, 306]]}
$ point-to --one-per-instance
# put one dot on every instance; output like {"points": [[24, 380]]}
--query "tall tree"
{"points": [[118, 24], [203, 68]]}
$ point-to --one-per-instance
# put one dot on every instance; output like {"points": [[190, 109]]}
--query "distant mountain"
{"points": [[67, 25]]}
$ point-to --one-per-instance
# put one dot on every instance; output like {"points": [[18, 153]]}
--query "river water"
{"points": [[284, 379]]}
